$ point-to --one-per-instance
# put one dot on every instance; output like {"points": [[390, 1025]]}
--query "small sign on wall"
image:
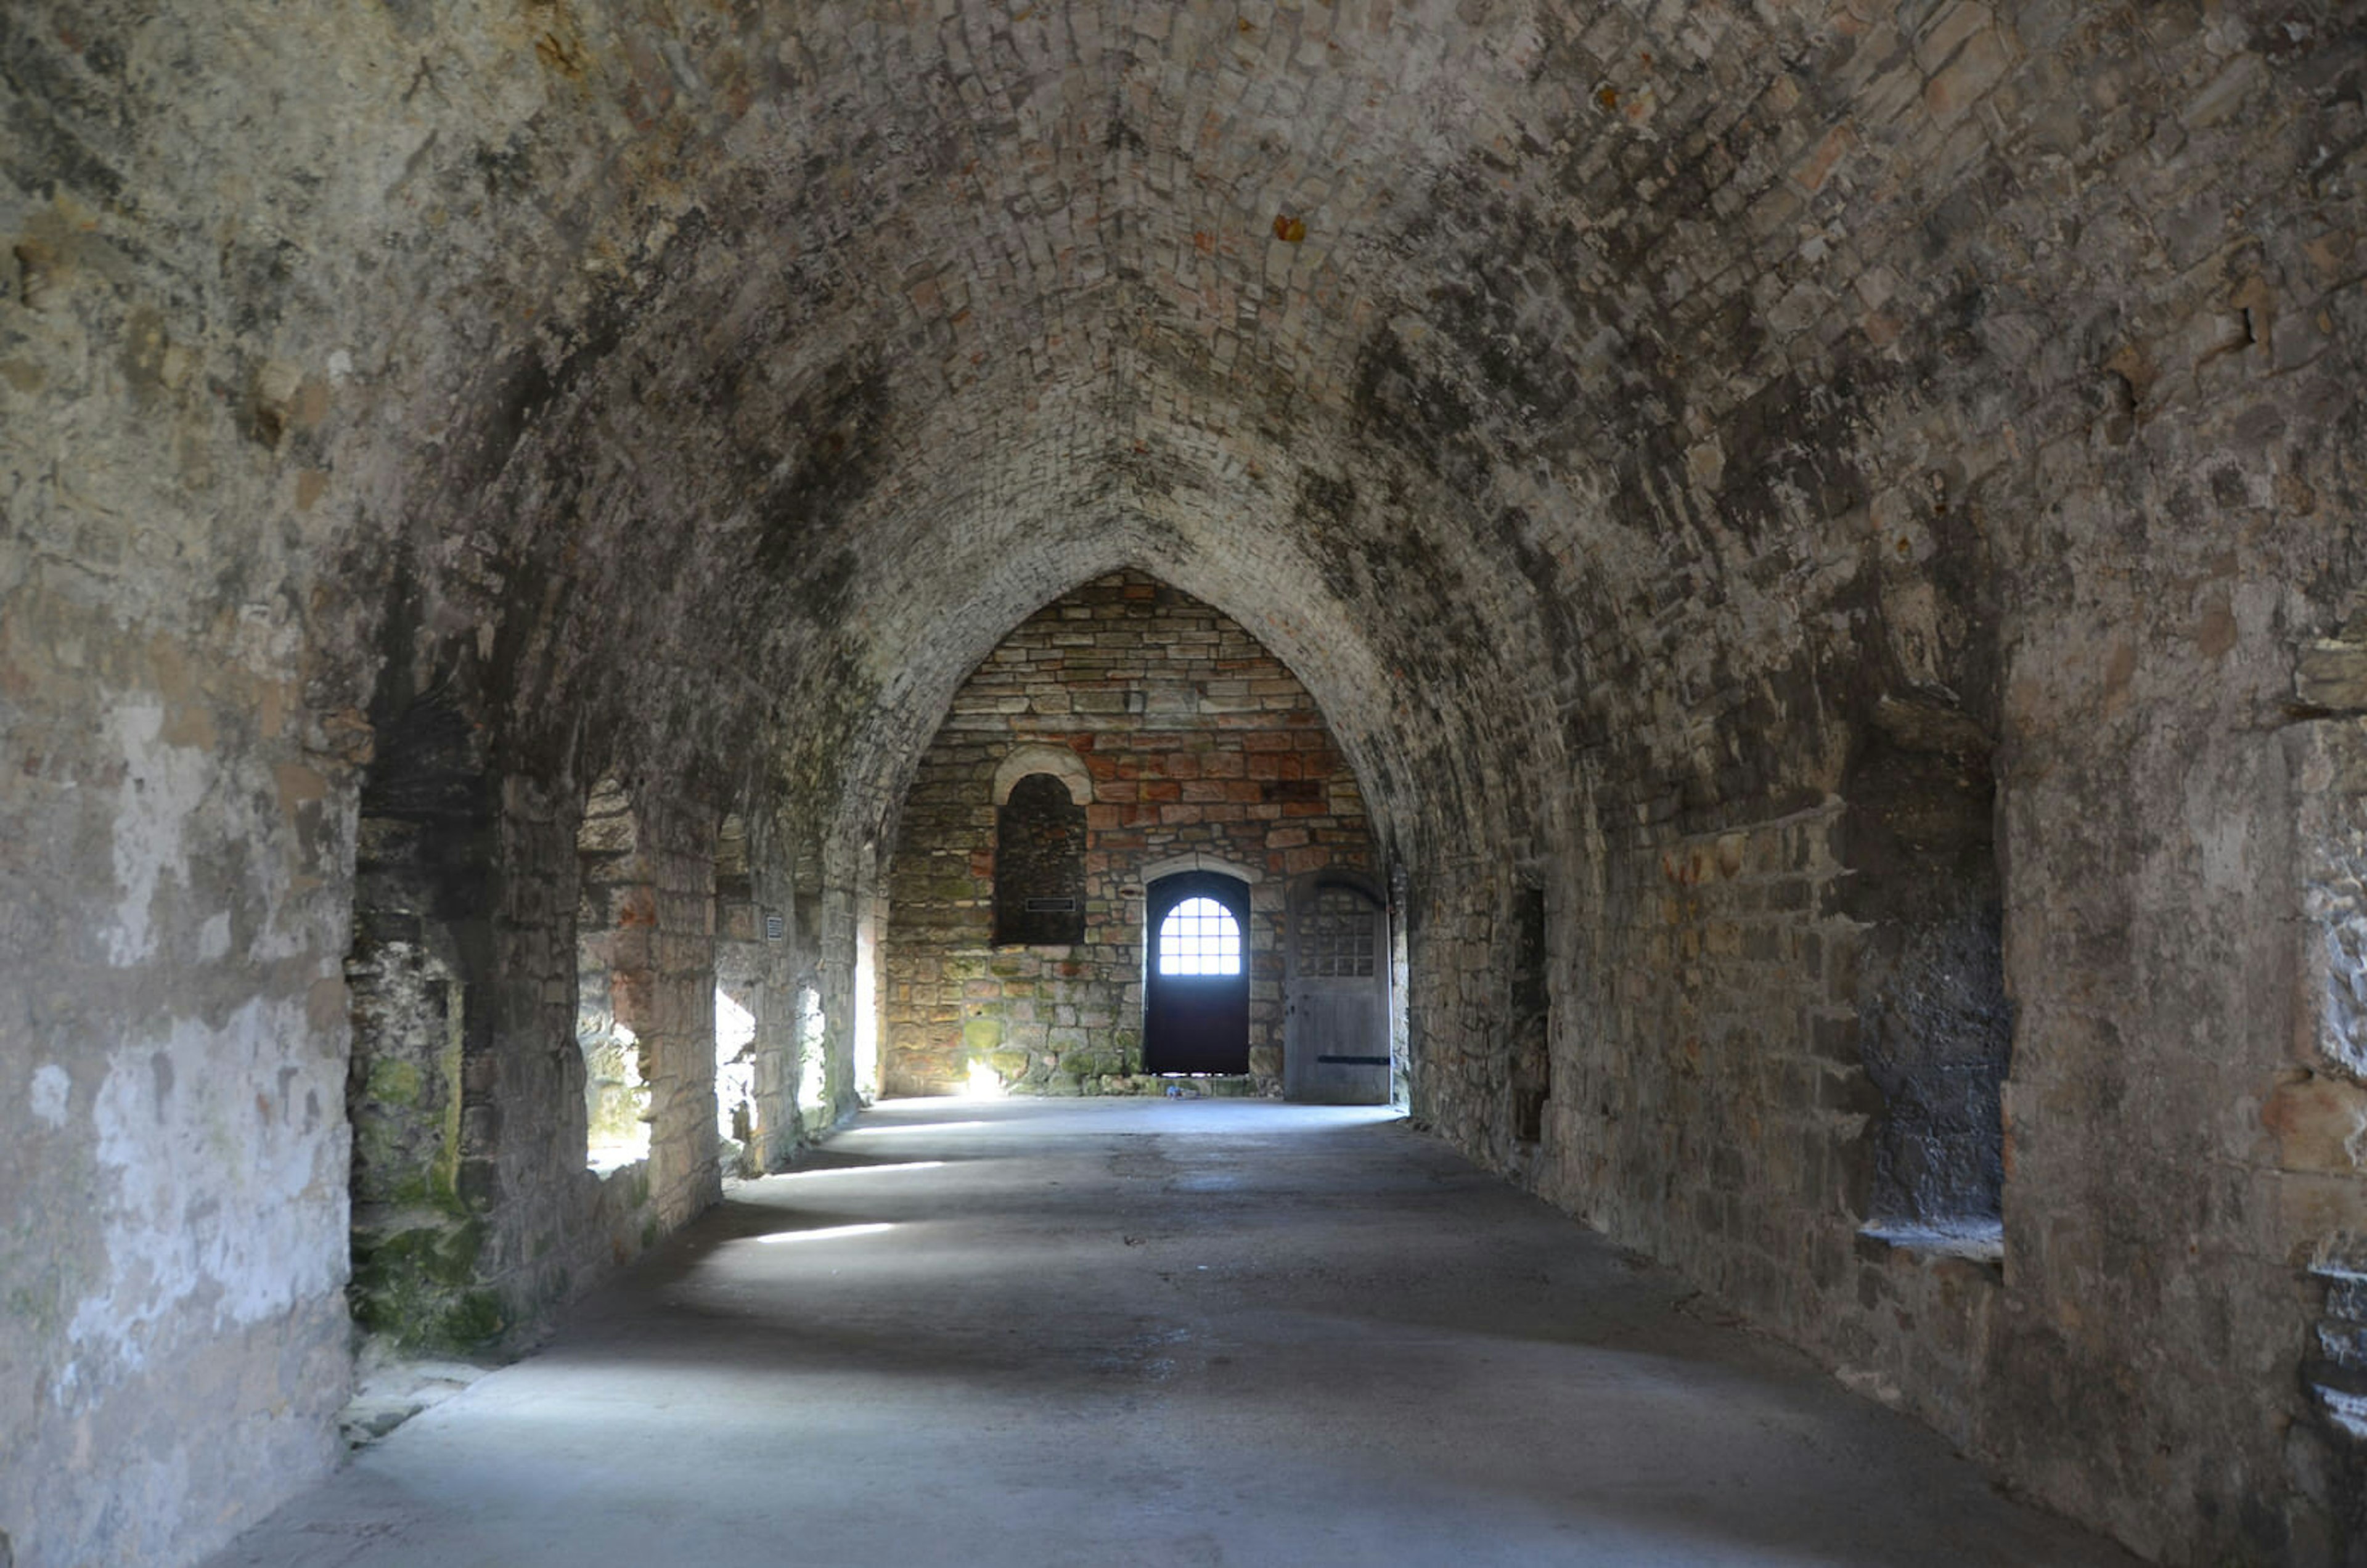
{"points": [[775, 927]]}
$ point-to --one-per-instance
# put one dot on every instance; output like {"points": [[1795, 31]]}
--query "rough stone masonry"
{"points": [[1192, 744], [1827, 536]]}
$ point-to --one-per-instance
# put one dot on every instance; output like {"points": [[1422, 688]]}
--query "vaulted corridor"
{"points": [[1153, 1333], [1755, 611]]}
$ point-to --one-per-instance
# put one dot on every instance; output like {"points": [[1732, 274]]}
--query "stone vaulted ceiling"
{"points": [[1476, 355]]}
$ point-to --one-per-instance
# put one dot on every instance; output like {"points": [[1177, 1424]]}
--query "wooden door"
{"points": [[1336, 977]]}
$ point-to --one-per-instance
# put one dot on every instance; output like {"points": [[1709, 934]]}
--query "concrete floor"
{"points": [[1151, 1333]]}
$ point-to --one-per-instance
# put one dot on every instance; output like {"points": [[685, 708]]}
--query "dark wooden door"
{"points": [[1336, 975], [1196, 992]]}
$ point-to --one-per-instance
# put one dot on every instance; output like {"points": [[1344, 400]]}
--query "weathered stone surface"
{"points": [[1646, 425]]}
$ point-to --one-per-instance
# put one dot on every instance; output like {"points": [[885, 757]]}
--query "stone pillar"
{"points": [[673, 998]]}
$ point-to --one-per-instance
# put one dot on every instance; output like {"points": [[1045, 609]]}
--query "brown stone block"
{"points": [[627, 950], [2312, 1205], [1978, 66], [2319, 1123], [632, 996], [2332, 674]]}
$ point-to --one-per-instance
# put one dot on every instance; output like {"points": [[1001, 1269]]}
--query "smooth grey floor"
{"points": [[1151, 1333]]}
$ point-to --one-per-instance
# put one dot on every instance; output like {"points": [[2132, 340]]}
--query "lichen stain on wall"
{"points": [[221, 1171], [163, 785]]}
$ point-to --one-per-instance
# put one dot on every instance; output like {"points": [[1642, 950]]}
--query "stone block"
{"points": [[2319, 1123], [2332, 675]]}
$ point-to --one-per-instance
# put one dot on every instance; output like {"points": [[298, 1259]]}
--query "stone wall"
{"points": [[1196, 741], [757, 966], [489, 933]]}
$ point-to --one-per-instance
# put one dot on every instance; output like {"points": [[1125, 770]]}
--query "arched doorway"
{"points": [[1195, 993], [1336, 975]]}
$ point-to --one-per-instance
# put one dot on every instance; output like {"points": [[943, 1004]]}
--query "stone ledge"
{"points": [[1971, 1243]]}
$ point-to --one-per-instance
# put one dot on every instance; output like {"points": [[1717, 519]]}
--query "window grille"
{"points": [[1199, 936], [1337, 936]]}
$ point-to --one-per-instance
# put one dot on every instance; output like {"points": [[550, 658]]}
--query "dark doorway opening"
{"points": [[1196, 994]]}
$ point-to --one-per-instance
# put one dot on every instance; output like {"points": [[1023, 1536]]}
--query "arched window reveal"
{"points": [[1040, 864]]}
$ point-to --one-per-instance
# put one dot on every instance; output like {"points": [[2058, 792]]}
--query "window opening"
{"points": [[813, 1063], [1200, 937], [735, 1068]]}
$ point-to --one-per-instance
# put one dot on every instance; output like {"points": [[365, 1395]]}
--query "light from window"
{"points": [[1199, 936]]}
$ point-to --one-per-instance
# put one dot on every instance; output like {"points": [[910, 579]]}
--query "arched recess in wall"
{"points": [[614, 913], [422, 948], [1040, 796], [1935, 1024]]}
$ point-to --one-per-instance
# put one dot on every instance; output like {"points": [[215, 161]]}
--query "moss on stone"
{"points": [[409, 1284], [474, 1321], [394, 1081]]}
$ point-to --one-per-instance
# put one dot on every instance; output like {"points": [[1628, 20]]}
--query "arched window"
{"points": [[1199, 936], [1040, 864]]}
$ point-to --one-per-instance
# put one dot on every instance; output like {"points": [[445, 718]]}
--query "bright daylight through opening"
{"points": [[1199, 937]]}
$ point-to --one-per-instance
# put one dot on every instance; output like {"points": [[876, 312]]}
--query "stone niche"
{"points": [[1183, 741]]}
